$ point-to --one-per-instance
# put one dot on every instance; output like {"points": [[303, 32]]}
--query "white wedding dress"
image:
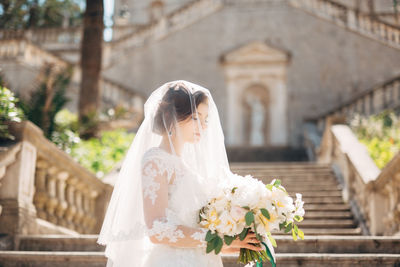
{"points": [[173, 207]]}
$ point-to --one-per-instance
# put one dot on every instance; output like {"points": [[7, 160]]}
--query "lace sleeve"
{"points": [[160, 220]]}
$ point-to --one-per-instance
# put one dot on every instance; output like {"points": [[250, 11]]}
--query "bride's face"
{"points": [[193, 127]]}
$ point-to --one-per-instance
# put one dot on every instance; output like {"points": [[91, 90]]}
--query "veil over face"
{"points": [[185, 114]]}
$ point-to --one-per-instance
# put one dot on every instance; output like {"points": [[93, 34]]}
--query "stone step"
{"points": [[296, 178], [308, 185], [324, 223], [285, 175], [326, 259], [286, 244], [58, 243], [52, 258], [97, 259], [329, 231], [339, 244], [326, 207], [322, 200], [328, 215], [315, 193], [288, 165], [311, 188]]}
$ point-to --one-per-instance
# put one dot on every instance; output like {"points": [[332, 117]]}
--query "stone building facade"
{"points": [[269, 66]]}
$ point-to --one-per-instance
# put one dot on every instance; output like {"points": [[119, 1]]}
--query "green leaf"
{"points": [[210, 236], [246, 207], [282, 226], [210, 246], [233, 190], [296, 229], [265, 213], [243, 234], [301, 234], [218, 243], [277, 182], [249, 217], [298, 218], [273, 241], [229, 239], [269, 187], [288, 228], [294, 236]]}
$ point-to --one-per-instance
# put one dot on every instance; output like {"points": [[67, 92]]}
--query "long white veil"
{"points": [[124, 230]]}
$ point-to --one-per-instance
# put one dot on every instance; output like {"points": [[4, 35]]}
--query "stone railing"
{"points": [[60, 35], [45, 191], [373, 195], [374, 100], [113, 93], [178, 19], [352, 20], [29, 53]]}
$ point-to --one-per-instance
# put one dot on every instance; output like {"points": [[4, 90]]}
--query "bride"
{"points": [[174, 165]]}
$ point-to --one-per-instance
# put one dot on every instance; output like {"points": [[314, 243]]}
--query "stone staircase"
{"points": [[352, 20], [333, 236]]}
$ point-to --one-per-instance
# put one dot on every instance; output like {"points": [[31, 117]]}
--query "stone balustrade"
{"points": [[113, 93], [45, 191], [374, 195], [72, 35], [372, 101], [27, 52], [353, 20]]}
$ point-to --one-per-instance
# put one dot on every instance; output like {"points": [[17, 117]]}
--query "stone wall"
{"points": [[328, 64]]}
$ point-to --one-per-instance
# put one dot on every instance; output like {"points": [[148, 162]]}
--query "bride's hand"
{"points": [[249, 242]]}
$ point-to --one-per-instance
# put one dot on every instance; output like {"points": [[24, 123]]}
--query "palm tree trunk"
{"points": [[91, 58]]}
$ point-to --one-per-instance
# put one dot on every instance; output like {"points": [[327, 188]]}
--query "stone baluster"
{"points": [[86, 211], [52, 193], [71, 209], [62, 202], [79, 216], [41, 197], [92, 208]]}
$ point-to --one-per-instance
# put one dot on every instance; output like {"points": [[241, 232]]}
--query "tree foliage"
{"points": [[24, 14], [380, 134]]}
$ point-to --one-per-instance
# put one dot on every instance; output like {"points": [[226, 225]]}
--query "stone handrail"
{"points": [[178, 19], [353, 20], [29, 53], [374, 195], [113, 93], [25, 51], [374, 100], [72, 35], [44, 184]]}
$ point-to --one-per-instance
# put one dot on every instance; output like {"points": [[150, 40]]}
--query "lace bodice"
{"points": [[172, 197]]}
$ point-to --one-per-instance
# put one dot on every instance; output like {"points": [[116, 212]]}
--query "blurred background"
{"points": [[308, 91]]}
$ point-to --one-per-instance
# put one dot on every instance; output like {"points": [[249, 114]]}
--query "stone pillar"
{"points": [[16, 193]]}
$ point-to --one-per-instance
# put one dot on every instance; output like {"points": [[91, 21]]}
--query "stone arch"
{"points": [[255, 115]]}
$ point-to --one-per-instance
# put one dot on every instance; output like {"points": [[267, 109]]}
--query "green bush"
{"points": [[8, 112], [380, 134], [101, 154]]}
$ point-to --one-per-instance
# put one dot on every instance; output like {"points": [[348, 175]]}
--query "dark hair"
{"points": [[178, 101]]}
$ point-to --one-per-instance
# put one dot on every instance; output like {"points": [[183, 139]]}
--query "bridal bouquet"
{"points": [[246, 204]]}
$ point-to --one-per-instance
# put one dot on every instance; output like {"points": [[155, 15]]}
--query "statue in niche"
{"points": [[257, 117]]}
